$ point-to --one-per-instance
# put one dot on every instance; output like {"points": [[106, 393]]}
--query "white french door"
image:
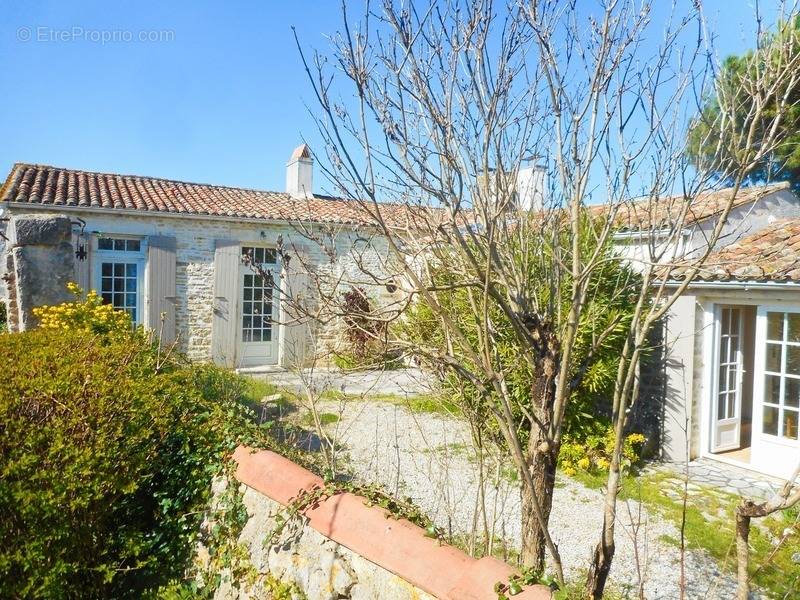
{"points": [[727, 404], [258, 310], [779, 391]]}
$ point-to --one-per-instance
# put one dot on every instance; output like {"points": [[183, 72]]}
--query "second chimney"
{"points": [[531, 182], [299, 173]]}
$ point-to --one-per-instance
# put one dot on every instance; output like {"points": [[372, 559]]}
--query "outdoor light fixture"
{"points": [[81, 253]]}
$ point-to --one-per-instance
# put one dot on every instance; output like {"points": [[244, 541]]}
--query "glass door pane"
{"points": [[727, 417], [781, 400], [119, 282]]}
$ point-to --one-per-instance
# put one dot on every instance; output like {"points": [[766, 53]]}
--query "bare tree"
{"points": [[743, 137], [429, 114], [746, 511]]}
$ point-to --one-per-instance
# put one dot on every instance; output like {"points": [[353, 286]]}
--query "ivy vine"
{"points": [[519, 581], [372, 494]]}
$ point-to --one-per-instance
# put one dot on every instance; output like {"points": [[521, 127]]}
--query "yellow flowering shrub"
{"points": [[593, 454], [86, 313]]}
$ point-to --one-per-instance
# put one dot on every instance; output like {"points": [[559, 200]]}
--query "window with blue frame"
{"points": [[121, 269]]}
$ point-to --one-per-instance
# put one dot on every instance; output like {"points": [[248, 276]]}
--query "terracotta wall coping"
{"points": [[394, 544]]}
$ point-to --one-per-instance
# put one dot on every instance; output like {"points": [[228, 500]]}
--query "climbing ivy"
{"points": [[107, 453], [372, 494], [226, 559], [519, 581]]}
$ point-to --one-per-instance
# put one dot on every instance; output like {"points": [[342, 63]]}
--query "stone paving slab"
{"points": [[728, 478]]}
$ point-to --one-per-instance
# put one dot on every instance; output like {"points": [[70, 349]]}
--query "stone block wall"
{"points": [[343, 549], [3, 238], [38, 264], [320, 567], [358, 260]]}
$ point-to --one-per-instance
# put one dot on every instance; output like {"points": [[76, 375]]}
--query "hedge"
{"points": [[106, 459]]}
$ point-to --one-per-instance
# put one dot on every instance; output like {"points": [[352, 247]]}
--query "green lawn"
{"points": [[710, 525]]}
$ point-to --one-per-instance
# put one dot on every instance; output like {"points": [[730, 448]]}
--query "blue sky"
{"points": [[218, 96]]}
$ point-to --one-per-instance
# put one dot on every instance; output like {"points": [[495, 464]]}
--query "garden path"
{"points": [[398, 382], [724, 477], [430, 458]]}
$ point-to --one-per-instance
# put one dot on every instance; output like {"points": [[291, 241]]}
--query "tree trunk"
{"points": [[542, 467], [541, 454], [742, 555], [604, 551]]}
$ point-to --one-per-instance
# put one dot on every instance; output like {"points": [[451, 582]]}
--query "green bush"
{"points": [[3, 316], [106, 459], [611, 297]]}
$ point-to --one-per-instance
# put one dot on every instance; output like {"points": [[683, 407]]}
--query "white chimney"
{"points": [[299, 172], [531, 182]]}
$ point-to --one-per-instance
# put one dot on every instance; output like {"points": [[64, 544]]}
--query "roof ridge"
{"points": [[151, 177], [42, 184], [330, 197]]}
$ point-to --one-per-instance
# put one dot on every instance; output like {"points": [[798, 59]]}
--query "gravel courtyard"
{"points": [[428, 458]]}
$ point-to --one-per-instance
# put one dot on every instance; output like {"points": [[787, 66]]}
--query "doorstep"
{"points": [[264, 369]]}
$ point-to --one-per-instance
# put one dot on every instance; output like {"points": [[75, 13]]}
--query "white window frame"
{"points": [[127, 256], [761, 373]]}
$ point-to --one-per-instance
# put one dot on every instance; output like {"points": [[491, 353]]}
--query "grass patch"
{"points": [[422, 403], [575, 589], [510, 473], [717, 537], [710, 526], [593, 481], [324, 419], [258, 388], [427, 403], [670, 540], [456, 448]]}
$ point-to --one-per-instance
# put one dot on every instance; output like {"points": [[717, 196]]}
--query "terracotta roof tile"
{"points": [[58, 187], [52, 186], [662, 213], [771, 254]]}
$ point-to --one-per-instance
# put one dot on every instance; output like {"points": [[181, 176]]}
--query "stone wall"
{"points": [[38, 264], [3, 237], [343, 549], [319, 567]]}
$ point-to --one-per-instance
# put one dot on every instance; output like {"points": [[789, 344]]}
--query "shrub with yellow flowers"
{"points": [[593, 453], [86, 313]]}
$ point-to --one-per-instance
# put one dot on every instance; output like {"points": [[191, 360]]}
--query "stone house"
{"points": [[728, 385], [154, 246]]}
